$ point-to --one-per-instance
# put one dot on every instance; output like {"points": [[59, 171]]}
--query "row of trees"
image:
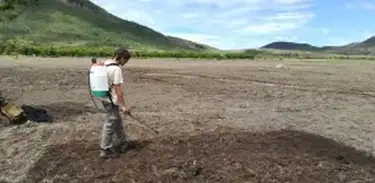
{"points": [[25, 47]]}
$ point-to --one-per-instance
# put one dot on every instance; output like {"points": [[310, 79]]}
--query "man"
{"points": [[114, 106]]}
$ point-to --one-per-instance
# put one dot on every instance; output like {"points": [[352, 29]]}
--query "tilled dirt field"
{"points": [[219, 121]]}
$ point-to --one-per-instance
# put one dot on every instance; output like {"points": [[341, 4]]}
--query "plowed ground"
{"points": [[232, 121]]}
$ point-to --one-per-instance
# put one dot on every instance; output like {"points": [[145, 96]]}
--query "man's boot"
{"points": [[124, 146], [107, 153]]}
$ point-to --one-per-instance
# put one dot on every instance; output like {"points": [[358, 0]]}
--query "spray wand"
{"points": [[139, 120]]}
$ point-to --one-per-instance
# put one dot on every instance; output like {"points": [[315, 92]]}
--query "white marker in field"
{"points": [[279, 66]]}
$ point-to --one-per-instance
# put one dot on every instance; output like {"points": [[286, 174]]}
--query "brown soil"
{"points": [[279, 156], [218, 122]]}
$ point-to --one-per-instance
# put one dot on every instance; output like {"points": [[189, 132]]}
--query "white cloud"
{"points": [[325, 31], [278, 23], [220, 23], [349, 5], [289, 1], [197, 37], [365, 5], [367, 34], [344, 40], [268, 28], [339, 41], [293, 16], [190, 15], [258, 3], [140, 17], [283, 38]]}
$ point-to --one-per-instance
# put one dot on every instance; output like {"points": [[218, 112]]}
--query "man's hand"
{"points": [[125, 110]]}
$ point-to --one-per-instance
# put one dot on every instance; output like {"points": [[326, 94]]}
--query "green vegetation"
{"points": [[15, 47], [80, 22], [366, 47], [24, 47], [81, 28], [11, 9], [281, 45]]}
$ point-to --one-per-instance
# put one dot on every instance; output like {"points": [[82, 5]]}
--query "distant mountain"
{"points": [[366, 47], [369, 42], [283, 45], [191, 44], [80, 22]]}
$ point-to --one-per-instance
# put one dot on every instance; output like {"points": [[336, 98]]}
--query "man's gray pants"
{"points": [[112, 127]]}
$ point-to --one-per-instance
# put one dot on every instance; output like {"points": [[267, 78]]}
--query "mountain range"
{"points": [[366, 47], [81, 22]]}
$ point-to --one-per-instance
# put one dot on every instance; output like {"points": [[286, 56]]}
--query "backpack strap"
{"points": [[112, 64], [110, 88]]}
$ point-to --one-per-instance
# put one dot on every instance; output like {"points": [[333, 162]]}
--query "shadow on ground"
{"points": [[3, 121], [60, 112], [67, 111], [278, 156]]}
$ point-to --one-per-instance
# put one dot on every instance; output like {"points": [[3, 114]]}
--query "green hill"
{"points": [[283, 45], [80, 22], [366, 47]]}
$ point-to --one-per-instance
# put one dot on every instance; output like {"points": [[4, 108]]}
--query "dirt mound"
{"points": [[279, 156]]}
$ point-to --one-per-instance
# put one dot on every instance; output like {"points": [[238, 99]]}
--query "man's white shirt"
{"points": [[114, 77]]}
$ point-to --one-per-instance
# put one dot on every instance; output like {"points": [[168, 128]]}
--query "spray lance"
{"points": [[98, 88], [139, 120]]}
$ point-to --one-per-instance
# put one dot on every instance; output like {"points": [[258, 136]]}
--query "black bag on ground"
{"points": [[36, 114], [2, 100]]}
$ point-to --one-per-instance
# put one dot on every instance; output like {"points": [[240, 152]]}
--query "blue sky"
{"points": [[237, 24]]}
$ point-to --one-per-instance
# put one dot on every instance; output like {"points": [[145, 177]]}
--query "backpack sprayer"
{"points": [[98, 82], [100, 89]]}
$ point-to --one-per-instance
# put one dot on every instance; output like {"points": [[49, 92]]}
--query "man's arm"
{"points": [[120, 95]]}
